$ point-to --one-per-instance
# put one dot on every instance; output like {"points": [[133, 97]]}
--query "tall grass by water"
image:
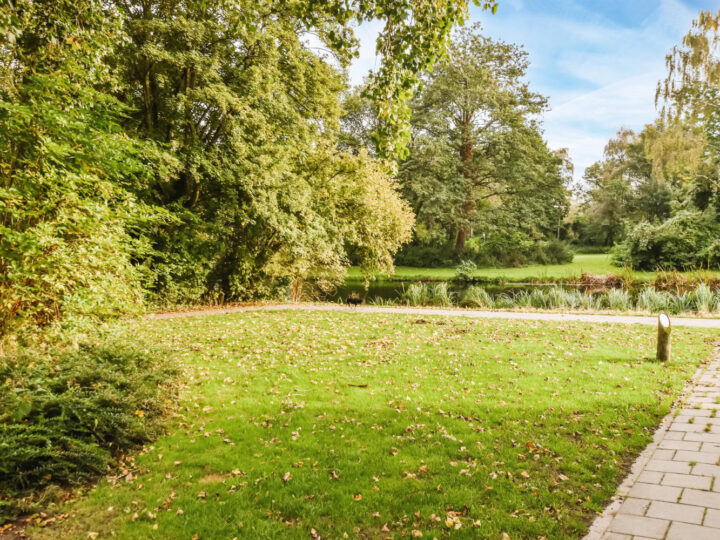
{"points": [[703, 299]]}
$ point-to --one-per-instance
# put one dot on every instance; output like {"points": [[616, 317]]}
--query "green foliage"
{"points": [[478, 168], [652, 300], [65, 413], [653, 186], [465, 271], [193, 151], [70, 226], [617, 300], [476, 297], [428, 294], [263, 194], [680, 242], [702, 298]]}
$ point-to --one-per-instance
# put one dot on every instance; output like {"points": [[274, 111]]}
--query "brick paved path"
{"points": [[673, 490]]}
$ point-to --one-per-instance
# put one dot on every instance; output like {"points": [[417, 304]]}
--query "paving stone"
{"points": [[684, 531], [700, 427], [705, 469], [674, 436], [662, 453], [635, 507], [667, 466], [651, 477], [680, 445], [712, 518], [687, 480], [705, 447], [617, 536], [695, 412], [636, 525], [655, 492], [702, 437], [701, 498], [698, 457], [676, 512]]}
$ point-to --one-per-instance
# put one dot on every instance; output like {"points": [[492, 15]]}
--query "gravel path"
{"points": [[476, 314]]}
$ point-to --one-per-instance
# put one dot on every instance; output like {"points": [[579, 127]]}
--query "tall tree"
{"points": [[476, 144]]}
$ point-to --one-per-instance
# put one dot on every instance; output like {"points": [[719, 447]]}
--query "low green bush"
{"points": [[476, 297], [617, 299], [64, 415], [684, 241], [417, 294], [465, 271], [653, 300]]}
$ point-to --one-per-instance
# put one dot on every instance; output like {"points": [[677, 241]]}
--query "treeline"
{"points": [[187, 151], [655, 195]]}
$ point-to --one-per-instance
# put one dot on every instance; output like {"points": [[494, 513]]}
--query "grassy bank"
{"points": [[591, 264], [298, 425]]}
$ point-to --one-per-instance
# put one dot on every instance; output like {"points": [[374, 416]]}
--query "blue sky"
{"points": [[598, 61]]}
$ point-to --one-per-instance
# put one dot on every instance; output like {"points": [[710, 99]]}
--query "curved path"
{"points": [[477, 314]]}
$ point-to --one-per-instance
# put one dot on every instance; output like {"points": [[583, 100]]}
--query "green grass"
{"points": [[378, 425], [592, 264]]}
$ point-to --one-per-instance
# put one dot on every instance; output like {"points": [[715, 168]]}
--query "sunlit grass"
{"points": [[599, 264], [376, 425]]}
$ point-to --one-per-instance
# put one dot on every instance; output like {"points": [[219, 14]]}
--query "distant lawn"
{"points": [[592, 264], [379, 425]]}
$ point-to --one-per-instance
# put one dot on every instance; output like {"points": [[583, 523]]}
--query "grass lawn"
{"points": [[592, 264], [309, 424]]}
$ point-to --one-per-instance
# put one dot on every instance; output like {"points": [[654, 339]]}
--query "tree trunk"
{"points": [[663, 343], [460, 240]]}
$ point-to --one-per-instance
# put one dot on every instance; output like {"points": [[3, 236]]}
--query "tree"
{"points": [[252, 115], [66, 214], [622, 189], [477, 150]]}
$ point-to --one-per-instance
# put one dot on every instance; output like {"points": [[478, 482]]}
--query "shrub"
{"points": [[439, 295], [522, 299], [465, 271], [504, 301], [617, 299], [552, 252], [64, 414], [538, 299], [681, 302], [702, 298], [562, 298], [476, 297], [589, 301], [416, 294], [653, 300], [682, 242]]}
